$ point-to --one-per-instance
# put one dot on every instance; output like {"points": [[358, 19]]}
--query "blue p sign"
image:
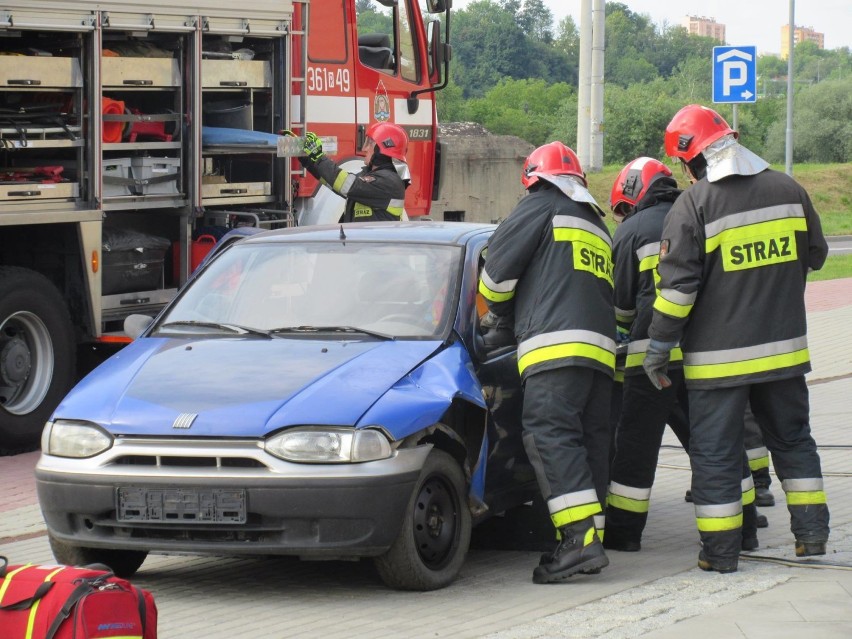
{"points": [[734, 74]]}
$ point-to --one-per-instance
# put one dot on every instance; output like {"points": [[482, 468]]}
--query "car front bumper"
{"points": [[308, 510]]}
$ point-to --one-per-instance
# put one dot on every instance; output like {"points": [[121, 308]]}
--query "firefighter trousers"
{"points": [[566, 436], [644, 415], [758, 455], [716, 452]]}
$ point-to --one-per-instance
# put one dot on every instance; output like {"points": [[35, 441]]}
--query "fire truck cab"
{"points": [[132, 134]]}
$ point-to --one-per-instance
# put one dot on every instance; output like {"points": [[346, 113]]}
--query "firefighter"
{"points": [[734, 256], [377, 192], [641, 196], [549, 266]]}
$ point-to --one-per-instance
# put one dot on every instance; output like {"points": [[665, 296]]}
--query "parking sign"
{"points": [[734, 74]]}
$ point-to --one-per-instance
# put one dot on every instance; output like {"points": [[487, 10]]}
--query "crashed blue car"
{"points": [[321, 392]]}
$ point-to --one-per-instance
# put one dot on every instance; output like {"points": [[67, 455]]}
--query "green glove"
{"points": [[313, 146]]}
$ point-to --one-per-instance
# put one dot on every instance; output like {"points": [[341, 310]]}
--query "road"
{"points": [[840, 245]]}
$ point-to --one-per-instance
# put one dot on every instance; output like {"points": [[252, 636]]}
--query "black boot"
{"points": [[579, 551], [750, 526]]}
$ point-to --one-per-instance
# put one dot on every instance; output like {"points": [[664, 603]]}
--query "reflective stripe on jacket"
{"points": [[734, 260], [550, 263]]}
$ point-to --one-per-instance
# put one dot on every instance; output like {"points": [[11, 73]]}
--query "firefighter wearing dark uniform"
{"points": [[376, 193], [641, 196], [549, 265], [734, 257]]}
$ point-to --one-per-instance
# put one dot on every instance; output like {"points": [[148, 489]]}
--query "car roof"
{"points": [[458, 233]]}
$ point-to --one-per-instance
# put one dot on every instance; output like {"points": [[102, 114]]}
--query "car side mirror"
{"points": [[136, 324]]}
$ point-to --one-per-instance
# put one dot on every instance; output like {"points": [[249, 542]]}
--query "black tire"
{"points": [[435, 534], [37, 356], [123, 563]]}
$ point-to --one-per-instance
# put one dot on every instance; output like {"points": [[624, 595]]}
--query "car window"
{"points": [[402, 290]]}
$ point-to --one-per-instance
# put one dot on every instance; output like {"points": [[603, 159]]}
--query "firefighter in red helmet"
{"points": [[642, 195], [735, 252], [549, 272], [377, 192]]}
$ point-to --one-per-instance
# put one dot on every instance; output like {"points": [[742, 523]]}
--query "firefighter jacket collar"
{"points": [[727, 157], [572, 189], [403, 171]]}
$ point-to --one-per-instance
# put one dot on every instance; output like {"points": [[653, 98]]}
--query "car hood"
{"points": [[239, 387]]}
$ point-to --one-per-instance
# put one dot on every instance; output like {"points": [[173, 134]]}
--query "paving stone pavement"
{"points": [[657, 593]]}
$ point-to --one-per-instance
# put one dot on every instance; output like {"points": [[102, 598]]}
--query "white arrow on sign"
{"points": [[746, 94], [735, 72]]}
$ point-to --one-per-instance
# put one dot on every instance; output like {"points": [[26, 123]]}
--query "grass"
{"points": [[829, 186], [835, 267]]}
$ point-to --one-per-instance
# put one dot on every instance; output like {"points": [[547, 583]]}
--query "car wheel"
{"points": [[123, 563], [435, 535]]}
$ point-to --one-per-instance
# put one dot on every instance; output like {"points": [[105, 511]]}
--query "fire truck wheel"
{"points": [[123, 563], [37, 356], [435, 534]]}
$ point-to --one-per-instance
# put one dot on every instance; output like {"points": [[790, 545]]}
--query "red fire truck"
{"points": [[133, 133]]}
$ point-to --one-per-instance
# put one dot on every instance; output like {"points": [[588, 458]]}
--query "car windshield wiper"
{"points": [[233, 328], [330, 329]]}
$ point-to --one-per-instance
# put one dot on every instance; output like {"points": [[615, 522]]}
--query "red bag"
{"points": [[64, 602]]}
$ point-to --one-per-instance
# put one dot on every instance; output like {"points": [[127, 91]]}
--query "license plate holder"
{"points": [[181, 505]]}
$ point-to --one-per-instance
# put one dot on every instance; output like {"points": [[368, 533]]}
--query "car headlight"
{"points": [[329, 445], [66, 438]]}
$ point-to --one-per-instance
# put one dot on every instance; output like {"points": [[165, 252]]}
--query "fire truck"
{"points": [[133, 133]]}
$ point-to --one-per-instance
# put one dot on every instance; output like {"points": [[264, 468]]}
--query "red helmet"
{"points": [[551, 159], [634, 180], [391, 139], [692, 130]]}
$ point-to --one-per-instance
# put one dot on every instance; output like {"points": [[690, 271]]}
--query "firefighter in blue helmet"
{"points": [[549, 267], [734, 257]]}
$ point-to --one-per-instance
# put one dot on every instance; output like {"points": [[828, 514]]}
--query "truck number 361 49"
{"points": [[322, 79]]}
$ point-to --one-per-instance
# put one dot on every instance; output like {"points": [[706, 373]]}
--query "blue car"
{"points": [[322, 392]]}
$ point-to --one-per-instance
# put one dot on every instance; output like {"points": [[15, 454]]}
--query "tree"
{"points": [[537, 21]]}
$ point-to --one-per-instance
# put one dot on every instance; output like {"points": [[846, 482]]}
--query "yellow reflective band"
{"points": [[395, 210], [8, 580], [628, 504], [594, 260], [494, 296], [757, 464], [806, 499], [719, 524], [635, 359], [560, 351], [747, 367], [648, 263], [339, 180], [619, 375], [575, 514], [670, 308], [585, 237], [624, 319], [589, 538], [748, 496], [760, 229], [34, 607]]}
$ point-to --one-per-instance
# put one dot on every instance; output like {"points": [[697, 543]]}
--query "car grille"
{"points": [[186, 461]]}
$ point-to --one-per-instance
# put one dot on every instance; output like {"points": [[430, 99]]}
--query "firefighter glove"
{"points": [[497, 330], [313, 146], [656, 363]]}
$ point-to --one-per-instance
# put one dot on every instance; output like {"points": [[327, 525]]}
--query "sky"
{"points": [[747, 22]]}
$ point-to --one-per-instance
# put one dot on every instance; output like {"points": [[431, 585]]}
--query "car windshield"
{"points": [[344, 288]]}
